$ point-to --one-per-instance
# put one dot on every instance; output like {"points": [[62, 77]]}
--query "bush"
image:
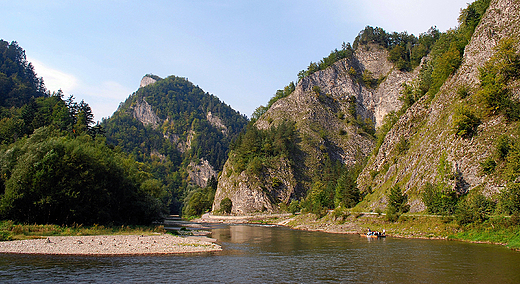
{"points": [[488, 166], [509, 199], [439, 199], [294, 206], [54, 179], [502, 68], [475, 208], [226, 205], [465, 122]]}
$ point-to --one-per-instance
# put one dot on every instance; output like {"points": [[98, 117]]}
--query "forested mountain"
{"points": [[455, 149], [181, 132], [55, 166], [422, 110], [18, 82]]}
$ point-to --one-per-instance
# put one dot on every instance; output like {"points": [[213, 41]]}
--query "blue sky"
{"points": [[240, 51]]}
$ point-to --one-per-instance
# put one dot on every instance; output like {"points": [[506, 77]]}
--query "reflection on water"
{"points": [[259, 254]]}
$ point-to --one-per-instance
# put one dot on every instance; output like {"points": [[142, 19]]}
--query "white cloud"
{"points": [[54, 79], [103, 98]]}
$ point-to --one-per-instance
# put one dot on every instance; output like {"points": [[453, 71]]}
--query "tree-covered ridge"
{"points": [[182, 108], [183, 134], [18, 81], [55, 166]]}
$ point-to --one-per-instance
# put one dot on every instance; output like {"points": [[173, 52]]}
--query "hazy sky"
{"points": [[240, 51]]}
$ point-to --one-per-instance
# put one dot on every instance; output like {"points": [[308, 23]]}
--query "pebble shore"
{"points": [[109, 245]]}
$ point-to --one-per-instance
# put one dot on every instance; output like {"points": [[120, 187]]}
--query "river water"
{"points": [[263, 254]]}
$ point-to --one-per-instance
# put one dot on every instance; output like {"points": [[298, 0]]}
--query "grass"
{"points": [[12, 231]]}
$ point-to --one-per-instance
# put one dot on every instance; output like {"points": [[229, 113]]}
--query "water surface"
{"points": [[260, 254]]}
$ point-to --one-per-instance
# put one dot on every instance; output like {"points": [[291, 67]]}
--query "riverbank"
{"points": [[110, 245], [494, 231]]}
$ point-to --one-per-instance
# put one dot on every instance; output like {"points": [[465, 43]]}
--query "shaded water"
{"points": [[259, 254]]}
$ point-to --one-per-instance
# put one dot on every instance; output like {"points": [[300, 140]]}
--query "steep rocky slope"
{"points": [[330, 125], [180, 131], [434, 153]]}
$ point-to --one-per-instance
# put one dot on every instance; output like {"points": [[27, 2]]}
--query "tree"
{"points": [[397, 203], [226, 205]]}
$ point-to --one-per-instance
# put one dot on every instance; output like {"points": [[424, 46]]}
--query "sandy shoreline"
{"points": [[110, 245]]}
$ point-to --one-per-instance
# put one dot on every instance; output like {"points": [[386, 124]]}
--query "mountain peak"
{"points": [[149, 79]]}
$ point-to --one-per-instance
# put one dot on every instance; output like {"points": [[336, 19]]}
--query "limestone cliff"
{"points": [[427, 127], [175, 123], [326, 127]]}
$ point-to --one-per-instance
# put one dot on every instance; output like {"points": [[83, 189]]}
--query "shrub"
{"points": [[294, 206], [475, 208], [488, 166], [226, 205], [439, 199], [502, 67], [509, 199], [465, 122]]}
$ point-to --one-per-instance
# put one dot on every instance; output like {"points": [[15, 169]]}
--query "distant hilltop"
{"points": [[148, 79]]}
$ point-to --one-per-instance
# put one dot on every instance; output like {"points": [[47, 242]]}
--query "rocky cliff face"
{"points": [[177, 123], [143, 112], [147, 80], [428, 127], [319, 107]]}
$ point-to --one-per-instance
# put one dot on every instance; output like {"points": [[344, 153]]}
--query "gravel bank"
{"points": [[109, 245]]}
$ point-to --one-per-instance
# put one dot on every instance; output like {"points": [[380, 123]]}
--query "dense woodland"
{"points": [[55, 166], [58, 167], [182, 109]]}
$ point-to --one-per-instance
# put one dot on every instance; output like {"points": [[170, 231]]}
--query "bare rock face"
{"points": [[256, 193], [319, 107], [428, 127], [216, 122], [200, 174], [147, 80], [144, 113]]}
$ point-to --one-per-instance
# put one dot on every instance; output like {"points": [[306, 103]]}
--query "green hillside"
{"points": [[187, 126]]}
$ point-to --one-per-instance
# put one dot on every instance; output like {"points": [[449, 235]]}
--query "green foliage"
{"points": [[465, 122], [294, 206], [255, 148], [369, 80], [509, 199], [347, 193], [463, 92], [507, 157], [503, 146], [49, 178], [474, 208], [226, 205], [199, 200], [405, 51], [18, 81], [280, 94], [346, 52], [502, 68], [397, 203], [402, 146], [439, 199], [319, 199], [488, 166]]}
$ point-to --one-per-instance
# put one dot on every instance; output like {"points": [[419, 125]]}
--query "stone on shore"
{"points": [[109, 245]]}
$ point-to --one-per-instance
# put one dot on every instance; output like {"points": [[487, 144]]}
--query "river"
{"points": [[263, 254]]}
